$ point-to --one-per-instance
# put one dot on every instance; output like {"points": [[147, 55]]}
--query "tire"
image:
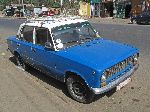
{"points": [[78, 90], [20, 62]]}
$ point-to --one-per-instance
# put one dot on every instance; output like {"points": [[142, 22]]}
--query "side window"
{"points": [[28, 33], [42, 36]]}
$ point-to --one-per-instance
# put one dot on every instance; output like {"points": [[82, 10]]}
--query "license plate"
{"points": [[122, 84]]}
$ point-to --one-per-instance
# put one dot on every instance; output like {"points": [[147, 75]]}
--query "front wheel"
{"points": [[79, 90]]}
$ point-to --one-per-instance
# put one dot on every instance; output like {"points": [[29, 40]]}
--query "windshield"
{"points": [[68, 35]]}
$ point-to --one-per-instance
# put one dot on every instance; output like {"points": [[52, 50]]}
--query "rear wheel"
{"points": [[20, 62], [79, 90]]}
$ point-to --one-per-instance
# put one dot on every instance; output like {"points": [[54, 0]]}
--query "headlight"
{"points": [[135, 59], [136, 55], [103, 80]]}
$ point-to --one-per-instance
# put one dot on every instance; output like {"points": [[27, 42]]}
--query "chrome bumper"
{"points": [[115, 82]]}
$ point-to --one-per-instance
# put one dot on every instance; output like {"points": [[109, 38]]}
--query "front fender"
{"points": [[92, 80]]}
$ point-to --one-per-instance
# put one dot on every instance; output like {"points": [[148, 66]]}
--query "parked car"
{"points": [[46, 13], [142, 18], [70, 50], [37, 11], [8, 12], [18, 13], [27, 13]]}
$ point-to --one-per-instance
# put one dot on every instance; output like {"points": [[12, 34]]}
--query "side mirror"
{"points": [[97, 34], [19, 36], [48, 45]]}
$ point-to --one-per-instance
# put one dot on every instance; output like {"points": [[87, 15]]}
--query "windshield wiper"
{"points": [[70, 42], [82, 40]]}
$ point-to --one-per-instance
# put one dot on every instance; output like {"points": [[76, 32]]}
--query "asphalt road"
{"points": [[32, 91]]}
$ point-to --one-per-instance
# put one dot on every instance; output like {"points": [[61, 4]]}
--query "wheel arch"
{"points": [[76, 74], [16, 52]]}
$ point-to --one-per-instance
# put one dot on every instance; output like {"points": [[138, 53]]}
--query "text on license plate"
{"points": [[122, 84]]}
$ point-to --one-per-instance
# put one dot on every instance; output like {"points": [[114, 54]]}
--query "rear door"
{"points": [[148, 17], [140, 18], [26, 43], [144, 17]]}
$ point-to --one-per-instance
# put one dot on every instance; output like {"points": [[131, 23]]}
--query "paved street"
{"points": [[33, 91]]}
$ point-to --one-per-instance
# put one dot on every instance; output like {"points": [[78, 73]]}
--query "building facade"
{"points": [[114, 8], [127, 8], [139, 6], [117, 8]]}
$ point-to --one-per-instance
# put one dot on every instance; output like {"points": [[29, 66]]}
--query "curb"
{"points": [[92, 20], [12, 17]]}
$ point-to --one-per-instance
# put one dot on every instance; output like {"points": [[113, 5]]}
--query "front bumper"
{"points": [[115, 82]]}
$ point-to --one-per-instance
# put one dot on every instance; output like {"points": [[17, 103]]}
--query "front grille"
{"points": [[118, 67]]}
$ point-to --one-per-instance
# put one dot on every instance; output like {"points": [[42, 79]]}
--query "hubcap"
{"points": [[19, 61], [79, 89]]}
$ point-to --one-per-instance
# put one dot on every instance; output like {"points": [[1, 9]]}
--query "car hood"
{"points": [[98, 54]]}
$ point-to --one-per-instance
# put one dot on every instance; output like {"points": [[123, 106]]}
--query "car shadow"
{"points": [[144, 24], [140, 23], [130, 23], [45, 78], [57, 84], [108, 94]]}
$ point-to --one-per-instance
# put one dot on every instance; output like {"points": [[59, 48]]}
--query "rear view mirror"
{"points": [[97, 34]]}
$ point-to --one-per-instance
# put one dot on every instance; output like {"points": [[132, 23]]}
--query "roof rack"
{"points": [[67, 16], [47, 18], [53, 18]]}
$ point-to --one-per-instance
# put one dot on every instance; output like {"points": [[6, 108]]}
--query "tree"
{"points": [[35, 2], [5, 2]]}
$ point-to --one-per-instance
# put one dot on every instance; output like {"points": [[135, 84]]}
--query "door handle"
{"points": [[18, 44], [32, 49]]}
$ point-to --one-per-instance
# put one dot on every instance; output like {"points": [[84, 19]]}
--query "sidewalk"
{"points": [[109, 20], [92, 20]]}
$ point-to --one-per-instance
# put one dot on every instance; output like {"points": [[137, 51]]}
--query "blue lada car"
{"points": [[70, 50]]}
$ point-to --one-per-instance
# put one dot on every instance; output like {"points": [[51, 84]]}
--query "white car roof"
{"points": [[51, 22]]}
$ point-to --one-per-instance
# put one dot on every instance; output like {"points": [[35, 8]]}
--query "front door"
{"points": [[43, 57]]}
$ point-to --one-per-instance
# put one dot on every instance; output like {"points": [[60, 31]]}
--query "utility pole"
{"points": [[115, 10], [23, 7], [19, 2]]}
